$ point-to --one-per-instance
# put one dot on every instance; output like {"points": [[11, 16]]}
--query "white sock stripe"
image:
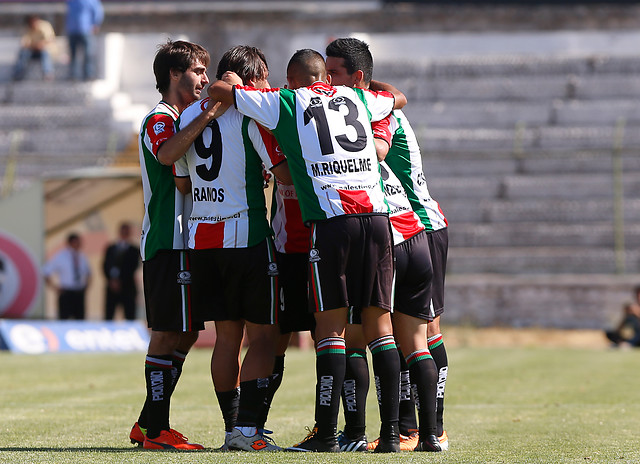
{"points": [[332, 341], [381, 341]]}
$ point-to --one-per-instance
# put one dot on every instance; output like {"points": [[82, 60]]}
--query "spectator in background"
{"points": [[121, 260], [84, 18], [627, 333], [73, 277], [36, 44]]}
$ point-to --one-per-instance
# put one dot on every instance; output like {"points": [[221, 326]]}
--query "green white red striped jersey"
{"points": [[325, 132], [165, 208], [225, 164], [290, 235], [405, 223], [405, 160]]}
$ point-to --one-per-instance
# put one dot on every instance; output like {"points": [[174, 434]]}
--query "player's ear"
{"points": [[175, 73], [358, 78], [328, 79]]}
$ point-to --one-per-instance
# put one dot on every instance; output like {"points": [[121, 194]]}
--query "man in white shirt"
{"points": [[73, 277]]}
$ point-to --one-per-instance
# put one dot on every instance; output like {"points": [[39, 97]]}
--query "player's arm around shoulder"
{"points": [[176, 146], [222, 90], [379, 86]]}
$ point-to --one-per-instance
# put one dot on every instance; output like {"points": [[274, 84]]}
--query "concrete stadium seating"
{"points": [[517, 149]]}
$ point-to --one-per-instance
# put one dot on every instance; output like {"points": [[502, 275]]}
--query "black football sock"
{"points": [[142, 418], [439, 353], [423, 382], [274, 383], [252, 396], [354, 392], [407, 411], [229, 402], [177, 360], [330, 368], [157, 372], [386, 368]]}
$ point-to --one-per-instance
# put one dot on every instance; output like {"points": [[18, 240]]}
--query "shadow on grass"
{"points": [[96, 449]]}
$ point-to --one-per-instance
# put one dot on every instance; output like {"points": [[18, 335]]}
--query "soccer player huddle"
{"points": [[354, 248]]}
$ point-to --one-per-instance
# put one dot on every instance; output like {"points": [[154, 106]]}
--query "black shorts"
{"points": [[294, 315], [414, 274], [350, 263], [167, 293], [230, 284], [438, 247]]}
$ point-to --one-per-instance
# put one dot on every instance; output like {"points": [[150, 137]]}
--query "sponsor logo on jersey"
{"points": [[391, 190], [288, 192], [272, 270], [184, 278], [159, 127], [314, 255]]}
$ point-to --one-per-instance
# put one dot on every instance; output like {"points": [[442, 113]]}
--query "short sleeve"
{"points": [[181, 167], [263, 105], [159, 128], [266, 145], [382, 129], [379, 104]]}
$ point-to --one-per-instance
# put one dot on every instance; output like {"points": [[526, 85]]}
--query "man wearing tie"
{"points": [[121, 260], [73, 277]]}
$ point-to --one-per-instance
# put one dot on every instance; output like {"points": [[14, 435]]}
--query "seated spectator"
{"points": [[627, 333], [36, 43]]}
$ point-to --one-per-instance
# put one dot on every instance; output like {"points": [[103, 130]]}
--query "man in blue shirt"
{"points": [[84, 17]]}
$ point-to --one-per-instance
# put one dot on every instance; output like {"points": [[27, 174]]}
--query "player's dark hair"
{"points": [[309, 65], [356, 55], [180, 55], [247, 62], [72, 237]]}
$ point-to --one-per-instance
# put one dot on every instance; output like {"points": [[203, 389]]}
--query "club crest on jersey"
{"points": [[272, 270], [323, 89], [158, 127], [184, 278], [314, 255]]}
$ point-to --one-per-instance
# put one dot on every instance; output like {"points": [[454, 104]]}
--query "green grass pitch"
{"points": [[503, 405]]}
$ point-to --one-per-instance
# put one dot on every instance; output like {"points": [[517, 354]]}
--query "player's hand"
{"points": [[231, 78], [216, 109]]}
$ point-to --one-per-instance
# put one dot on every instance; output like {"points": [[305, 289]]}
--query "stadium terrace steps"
{"points": [[542, 259], [539, 114], [517, 88], [522, 187], [46, 93], [27, 117], [509, 65], [534, 234], [481, 165], [524, 139], [496, 115], [596, 112], [575, 211], [43, 139], [570, 301]]}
